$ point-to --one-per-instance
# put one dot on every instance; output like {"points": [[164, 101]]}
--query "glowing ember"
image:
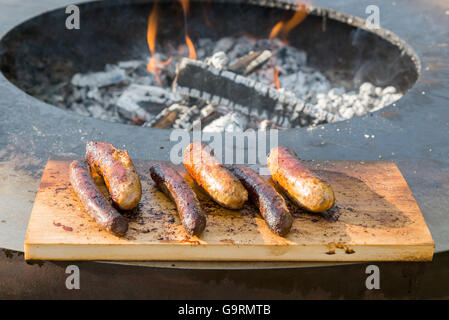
{"points": [[276, 78]]}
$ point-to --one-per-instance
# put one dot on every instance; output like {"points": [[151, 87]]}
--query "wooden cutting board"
{"points": [[376, 218]]}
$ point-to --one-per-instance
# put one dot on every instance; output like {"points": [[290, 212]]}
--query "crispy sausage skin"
{"points": [[176, 188], [118, 172], [213, 177], [94, 202], [271, 204], [302, 186]]}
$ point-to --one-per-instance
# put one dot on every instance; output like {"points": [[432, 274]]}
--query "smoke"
{"points": [[378, 62]]}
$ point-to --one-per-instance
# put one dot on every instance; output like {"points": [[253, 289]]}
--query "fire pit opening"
{"points": [[227, 66]]}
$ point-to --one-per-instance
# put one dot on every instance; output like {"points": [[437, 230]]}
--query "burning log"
{"points": [[222, 87]]}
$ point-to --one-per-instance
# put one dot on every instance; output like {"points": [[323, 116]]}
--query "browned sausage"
{"points": [[94, 201], [271, 204], [118, 172], [302, 185], [213, 177], [176, 188]]}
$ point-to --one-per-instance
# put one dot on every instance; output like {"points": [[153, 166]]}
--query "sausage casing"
{"points": [[302, 185], [118, 172], [94, 202], [213, 177], [175, 187], [271, 204]]}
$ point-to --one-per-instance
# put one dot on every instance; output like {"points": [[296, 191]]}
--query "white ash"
{"points": [[231, 122], [137, 100], [207, 110], [99, 79], [126, 92], [218, 60]]}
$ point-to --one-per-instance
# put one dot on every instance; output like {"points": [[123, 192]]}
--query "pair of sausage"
{"points": [[120, 177], [213, 177], [94, 201], [123, 183]]}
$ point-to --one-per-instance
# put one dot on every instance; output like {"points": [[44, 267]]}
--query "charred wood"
{"points": [[222, 87]]}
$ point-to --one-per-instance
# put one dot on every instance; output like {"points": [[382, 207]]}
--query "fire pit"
{"points": [[225, 66]]}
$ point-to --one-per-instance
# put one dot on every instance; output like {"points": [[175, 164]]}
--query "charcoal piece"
{"points": [[99, 79], [250, 62]]}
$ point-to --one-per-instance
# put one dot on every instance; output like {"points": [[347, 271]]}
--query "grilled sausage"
{"points": [[94, 201], [302, 186], [271, 204], [213, 177], [118, 172], [176, 188]]}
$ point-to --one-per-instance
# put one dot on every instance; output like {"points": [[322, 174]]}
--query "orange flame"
{"points": [[185, 6], [283, 28], [192, 52], [276, 29], [185, 9], [153, 64]]}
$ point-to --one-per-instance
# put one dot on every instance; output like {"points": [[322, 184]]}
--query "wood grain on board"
{"points": [[376, 218]]}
